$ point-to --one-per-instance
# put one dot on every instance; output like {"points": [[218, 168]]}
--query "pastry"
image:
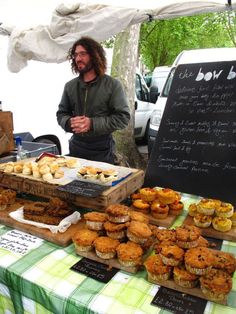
{"points": [[118, 213], [59, 174], [202, 221], [129, 254], [108, 175], [193, 210], [233, 219], [71, 163], [184, 278], [216, 284], [176, 208], [47, 177], [138, 232], [198, 260], [105, 247], [166, 196], [159, 210], [148, 194], [95, 220], [83, 240], [141, 205], [207, 206], [221, 224], [225, 210], [156, 269]]}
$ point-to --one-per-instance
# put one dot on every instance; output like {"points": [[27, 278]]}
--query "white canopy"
{"points": [[50, 43]]}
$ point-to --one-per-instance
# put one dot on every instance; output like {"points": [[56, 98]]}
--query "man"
{"points": [[93, 105]]}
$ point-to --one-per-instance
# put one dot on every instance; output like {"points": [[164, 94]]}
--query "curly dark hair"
{"points": [[96, 52]]}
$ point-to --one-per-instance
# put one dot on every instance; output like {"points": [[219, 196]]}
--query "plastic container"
{"points": [[21, 153]]}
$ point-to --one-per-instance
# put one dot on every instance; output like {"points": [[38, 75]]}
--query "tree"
{"points": [[124, 67]]}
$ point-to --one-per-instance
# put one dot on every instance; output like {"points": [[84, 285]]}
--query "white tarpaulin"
{"points": [[50, 43]]}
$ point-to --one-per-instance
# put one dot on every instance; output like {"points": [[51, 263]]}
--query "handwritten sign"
{"points": [[178, 303], [195, 149], [82, 188], [95, 270], [19, 242]]}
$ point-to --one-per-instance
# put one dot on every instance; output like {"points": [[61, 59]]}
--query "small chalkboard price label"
{"points": [[95, 270], [177, 302], [82, 188], [195, 149]]}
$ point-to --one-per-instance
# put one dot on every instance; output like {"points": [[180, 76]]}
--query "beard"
{"points": [[83, 67]]}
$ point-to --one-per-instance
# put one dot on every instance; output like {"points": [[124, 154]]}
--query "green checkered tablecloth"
{"points": [[41, 282]]}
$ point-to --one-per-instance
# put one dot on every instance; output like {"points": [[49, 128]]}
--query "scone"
{"points": [[83, 240], [129, 254], [105, 247], [156, 269]]}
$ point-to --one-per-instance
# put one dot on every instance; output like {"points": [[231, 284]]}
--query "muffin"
{"points": [[115, 231], [216, 284], [95, 220], [129, 254], [118, 213], [11, 196], [141, 205], [187, 236], [158, 246], [138, 216], [202, 221], [176, 208], [159, 210], [105, 247], [225, 210], [193, 210], [207, 206], [198, 260], [184, 278], [147, 194], [224, 261], [202, 242], [3, 201], [164, 235], [83, 240], [156, 269], [233, 219], [221, 224], [171, 255], [138, 232], [166, 196]]}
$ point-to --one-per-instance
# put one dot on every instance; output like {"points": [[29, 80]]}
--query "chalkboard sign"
{"points": [[178, 303], [87, 189], [95, 270], [195, 149]]}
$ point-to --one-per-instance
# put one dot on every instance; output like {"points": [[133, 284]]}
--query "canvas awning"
{"points": [[50, 43]]}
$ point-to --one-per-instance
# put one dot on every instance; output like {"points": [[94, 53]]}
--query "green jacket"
{"points": [[103, 100]]}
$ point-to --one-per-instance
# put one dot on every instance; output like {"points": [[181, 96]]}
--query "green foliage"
{"points": [[162, 40]]}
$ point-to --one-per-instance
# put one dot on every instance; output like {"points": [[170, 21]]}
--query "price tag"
{"points": [[87, 189], [178, 303], [95, 270]]}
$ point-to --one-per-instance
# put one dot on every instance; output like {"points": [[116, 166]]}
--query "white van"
{"points": [[185, 57]]}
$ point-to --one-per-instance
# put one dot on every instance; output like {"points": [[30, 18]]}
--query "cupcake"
{"points": [[138, 232], [207, 206], [138, 216], [141, 205], [225, 210], [105, 247], [187, 236], [176, 208], [198, 260], [118, 213], [224, 261], [184, 278], [95, 220], [159, 210], [83, 240], [115, 231], [129, 254], [221, 224], [202, 221], [147, 194], [171, 255], [216, 284], [156, 269], [166, 196]]}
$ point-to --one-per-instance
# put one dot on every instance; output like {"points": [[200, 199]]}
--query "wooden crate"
{"points": [[114, 194], [6, 132]]}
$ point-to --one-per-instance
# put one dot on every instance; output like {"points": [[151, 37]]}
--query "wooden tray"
{"points": [[211, 232], [114, 194], [196, 291], [62, 239]]}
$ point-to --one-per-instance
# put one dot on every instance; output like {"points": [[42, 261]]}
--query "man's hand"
{"points": [[80, 124]]}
